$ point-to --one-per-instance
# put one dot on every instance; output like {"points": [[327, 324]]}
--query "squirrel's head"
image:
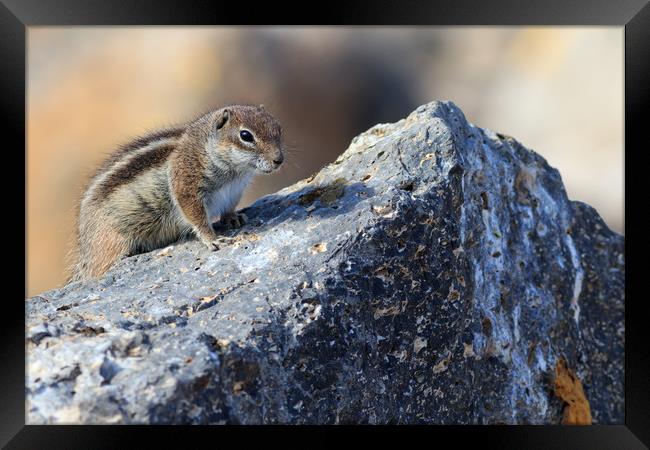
{"points": [[247, 137]]}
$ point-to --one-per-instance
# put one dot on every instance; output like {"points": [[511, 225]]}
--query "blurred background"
{"points": [[559, 91]]}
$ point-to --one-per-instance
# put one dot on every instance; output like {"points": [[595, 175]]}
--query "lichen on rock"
{"points": [[436, 272]]}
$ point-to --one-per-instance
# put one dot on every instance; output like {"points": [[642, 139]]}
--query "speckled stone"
{"points": [[434, 273]]}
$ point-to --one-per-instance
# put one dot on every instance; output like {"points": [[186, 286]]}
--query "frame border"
{"points": [[633, 15]]}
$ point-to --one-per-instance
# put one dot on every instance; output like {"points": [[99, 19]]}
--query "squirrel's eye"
{"points": [[246, 135]]}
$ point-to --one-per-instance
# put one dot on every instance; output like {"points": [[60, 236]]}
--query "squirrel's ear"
{"points": [[223, 118]]}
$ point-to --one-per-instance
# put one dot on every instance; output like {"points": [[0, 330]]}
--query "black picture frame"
{"points": [[633, 15]]}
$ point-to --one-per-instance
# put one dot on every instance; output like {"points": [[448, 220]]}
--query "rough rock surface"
{"points": [[435, 273]]}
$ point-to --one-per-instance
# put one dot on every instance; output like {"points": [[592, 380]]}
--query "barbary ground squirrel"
{"points": [[173, 182]]}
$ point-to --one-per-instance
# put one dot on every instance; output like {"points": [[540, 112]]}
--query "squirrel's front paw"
{"points": [[234, 220], [219, 242]]}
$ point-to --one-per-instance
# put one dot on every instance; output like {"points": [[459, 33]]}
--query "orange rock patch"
{"points": [[569, 388]]}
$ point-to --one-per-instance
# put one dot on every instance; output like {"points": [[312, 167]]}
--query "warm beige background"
{"points": [[557, 90]]}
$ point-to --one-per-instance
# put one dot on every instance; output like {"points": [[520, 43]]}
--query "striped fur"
{"points": [[171, 183]]}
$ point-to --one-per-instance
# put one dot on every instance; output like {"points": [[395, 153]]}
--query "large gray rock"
{"points": [[435, 273]]}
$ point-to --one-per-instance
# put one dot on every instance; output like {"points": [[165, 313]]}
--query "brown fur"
{"points": [[139, 164], [187, 180], [159, 187], [137, 143]]}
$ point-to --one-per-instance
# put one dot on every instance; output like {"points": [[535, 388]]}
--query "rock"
{"points": [[434, 273]]}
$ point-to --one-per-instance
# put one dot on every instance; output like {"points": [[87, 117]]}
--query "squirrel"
{"points": [[170, 184]]}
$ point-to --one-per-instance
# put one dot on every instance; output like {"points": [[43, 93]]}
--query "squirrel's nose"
{"points": [[278, 160]]}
